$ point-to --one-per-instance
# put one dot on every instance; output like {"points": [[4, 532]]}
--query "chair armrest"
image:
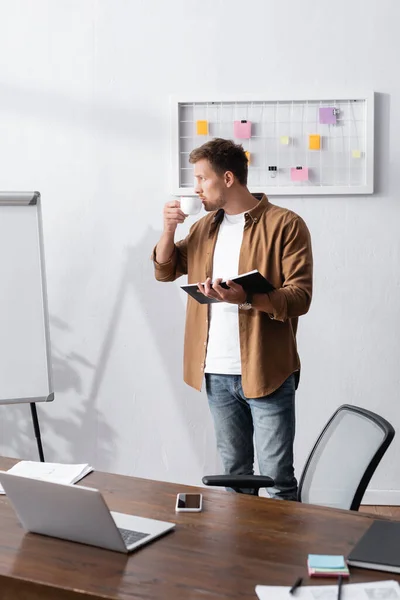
{"points": [[239, 481]]}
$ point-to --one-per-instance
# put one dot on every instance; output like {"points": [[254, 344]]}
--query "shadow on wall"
{"points": [[86, 422], [73, 429], [161, 304], [164, 314], [382, 143]]}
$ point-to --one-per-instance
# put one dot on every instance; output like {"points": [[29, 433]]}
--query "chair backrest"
{"points": [[344, 458]]}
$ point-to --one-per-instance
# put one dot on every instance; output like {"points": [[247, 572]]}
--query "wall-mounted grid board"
{"points": [[316, 146]]}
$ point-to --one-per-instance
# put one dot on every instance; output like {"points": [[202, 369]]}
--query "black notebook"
{"points": [[252, 282], [379, 548]]}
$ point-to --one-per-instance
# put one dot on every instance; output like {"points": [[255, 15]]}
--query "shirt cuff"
{"points": [[164, 271], [279, 304]]}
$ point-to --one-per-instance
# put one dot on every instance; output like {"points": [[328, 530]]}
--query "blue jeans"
{"points": [[271, 419]]}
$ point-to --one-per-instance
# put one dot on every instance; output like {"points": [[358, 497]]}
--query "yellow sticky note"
{"points": [[202, 127], [247, 153], [314, 142], [284, 139], [356, 153]]}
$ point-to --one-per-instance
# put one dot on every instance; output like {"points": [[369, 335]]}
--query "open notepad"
{"points": [[252, 282], [56, 472]]}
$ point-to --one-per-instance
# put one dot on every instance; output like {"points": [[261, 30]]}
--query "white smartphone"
{"points": [[189, 502]]}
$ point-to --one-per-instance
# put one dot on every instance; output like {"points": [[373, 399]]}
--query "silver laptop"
{"points": [[77, 513]]}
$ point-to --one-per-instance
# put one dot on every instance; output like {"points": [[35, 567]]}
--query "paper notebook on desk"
{"points": [[56, 472], [374, 590], [378, 548]]}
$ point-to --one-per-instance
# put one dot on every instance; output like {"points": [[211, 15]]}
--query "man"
{"points": [[245, 346]]}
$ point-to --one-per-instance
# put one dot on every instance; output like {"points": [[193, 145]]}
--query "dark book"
{"points": [[252, 282], [378, 548]]}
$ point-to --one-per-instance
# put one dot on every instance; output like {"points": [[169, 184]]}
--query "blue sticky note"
{"points": [[327, 561]]}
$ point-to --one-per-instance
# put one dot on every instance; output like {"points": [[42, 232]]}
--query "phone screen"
{"points": [[189, 500]]}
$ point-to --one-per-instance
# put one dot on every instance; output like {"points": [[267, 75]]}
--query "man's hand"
{"points": [[172, 216], [234, 295]]}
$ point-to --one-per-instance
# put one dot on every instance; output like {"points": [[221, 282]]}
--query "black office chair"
{"points": [[340, 465]]}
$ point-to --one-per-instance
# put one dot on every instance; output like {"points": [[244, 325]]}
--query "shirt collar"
{"points": [[254, 214]]}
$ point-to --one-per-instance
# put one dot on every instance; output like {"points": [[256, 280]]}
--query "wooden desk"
{"points": [[235, 543]]}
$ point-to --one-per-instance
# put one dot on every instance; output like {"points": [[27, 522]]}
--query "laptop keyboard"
{"points": [[130, 537]]}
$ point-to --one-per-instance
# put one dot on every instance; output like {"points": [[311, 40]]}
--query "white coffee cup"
{"points": [[190, 205]]}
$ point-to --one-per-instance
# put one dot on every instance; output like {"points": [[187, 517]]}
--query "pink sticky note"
{"points": [[242, 129], [327, 115], [299, 174]]}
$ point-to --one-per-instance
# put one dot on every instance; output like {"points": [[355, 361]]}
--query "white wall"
{"points": [[84, 119]]}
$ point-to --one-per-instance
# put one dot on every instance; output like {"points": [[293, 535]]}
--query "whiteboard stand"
{"points": [[25, 356], [36, 428]]}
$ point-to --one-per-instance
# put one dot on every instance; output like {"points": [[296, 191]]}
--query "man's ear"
{"points": [[229, 178]]}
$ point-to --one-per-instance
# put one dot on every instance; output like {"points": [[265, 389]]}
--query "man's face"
{"points": [[209, 186]]}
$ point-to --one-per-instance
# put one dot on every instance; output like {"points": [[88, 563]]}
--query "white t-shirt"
{"points": [[223, 349]]}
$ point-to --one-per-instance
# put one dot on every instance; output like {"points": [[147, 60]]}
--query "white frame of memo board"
{"points": [[302, 190]]}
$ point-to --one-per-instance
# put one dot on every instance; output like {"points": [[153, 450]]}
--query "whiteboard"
{"points": [[25, 364], [295, 146]]}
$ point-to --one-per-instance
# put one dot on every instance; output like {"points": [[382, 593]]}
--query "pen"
{"points": [[339, 590], [296, 585]]}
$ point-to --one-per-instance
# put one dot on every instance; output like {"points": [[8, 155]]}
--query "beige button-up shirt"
{"points": [[277, 242]]}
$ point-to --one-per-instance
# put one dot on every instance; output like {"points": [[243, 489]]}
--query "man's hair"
{"points": [[223, 155]]}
